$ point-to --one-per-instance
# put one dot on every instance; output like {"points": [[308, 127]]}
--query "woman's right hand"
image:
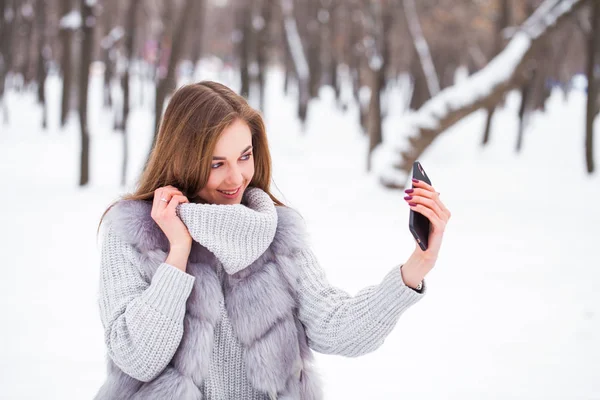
{"points": [[163, 213]]}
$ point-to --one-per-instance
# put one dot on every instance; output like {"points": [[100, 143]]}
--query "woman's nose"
{"points": [[235, 177]]}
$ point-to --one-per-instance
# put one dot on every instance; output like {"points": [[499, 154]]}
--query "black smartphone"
{"points": [[419, 224]]}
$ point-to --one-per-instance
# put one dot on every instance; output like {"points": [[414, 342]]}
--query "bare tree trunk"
{"points": [[298, 56], [334, 59], [354, 58], [66, 39], [374, 117], [264, 43], [198, 32], [420, 93], [108, 75], [525, 94], [118, 60], [165, 45], [7, 28], [288, 63], [287, 60], [112, 33], [130, 32], [88, 18], [386, 49], [534, 91], [502, 22], [592, 95], [165, 86], [488, 125], [379, 53], [245, 21], [421, 47], [43, 52], [289, 68], [355, 55], [313, 53], [26, 29]]}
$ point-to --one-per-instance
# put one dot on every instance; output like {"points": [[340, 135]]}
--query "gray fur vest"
{"points": [[260, 301]]}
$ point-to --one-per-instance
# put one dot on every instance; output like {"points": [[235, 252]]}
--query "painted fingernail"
{"points": [[412, 204], [415, 180], [408, 198], [409, 191]]}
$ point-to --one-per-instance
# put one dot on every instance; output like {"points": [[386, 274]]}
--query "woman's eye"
{"points": [[245, 157]]}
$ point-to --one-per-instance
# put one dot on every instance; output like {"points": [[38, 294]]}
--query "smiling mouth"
{"points": [[231, 192]]}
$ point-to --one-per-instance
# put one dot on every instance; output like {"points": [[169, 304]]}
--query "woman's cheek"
{"points": [[214, 179], [250, 172]]}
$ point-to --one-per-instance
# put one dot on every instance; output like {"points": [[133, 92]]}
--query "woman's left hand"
{"points": [[423, 199]]}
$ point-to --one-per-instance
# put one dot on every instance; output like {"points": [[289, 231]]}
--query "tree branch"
{"points": [[484, 89]]}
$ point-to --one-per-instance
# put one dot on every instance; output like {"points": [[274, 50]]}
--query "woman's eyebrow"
{"points": [[223, 158]]}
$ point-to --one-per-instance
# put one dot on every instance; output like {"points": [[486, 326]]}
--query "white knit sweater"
{"points": [[143, 319]]}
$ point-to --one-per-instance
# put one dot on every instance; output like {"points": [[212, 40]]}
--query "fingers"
{"points": [[437, 223], [445, 210], [432, 195], [175, 201], [422, 185], [427, 203], [426, 196], [165, 192]]}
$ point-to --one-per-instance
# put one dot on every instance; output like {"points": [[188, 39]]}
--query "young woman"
{"points": [[208, 289]]}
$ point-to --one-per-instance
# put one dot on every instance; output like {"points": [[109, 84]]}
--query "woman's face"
{"points": [[232, 166]]}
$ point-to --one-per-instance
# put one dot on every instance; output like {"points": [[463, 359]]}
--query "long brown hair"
{"points": [[194, 119]]}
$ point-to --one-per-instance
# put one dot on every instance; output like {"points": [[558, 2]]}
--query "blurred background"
{"points": [[498, 99]]}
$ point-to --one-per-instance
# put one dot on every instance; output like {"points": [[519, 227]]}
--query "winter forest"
{"points": [[498, 99]]}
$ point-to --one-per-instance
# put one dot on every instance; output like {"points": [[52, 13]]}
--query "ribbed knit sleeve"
{"points": [[338, 323], [143, 321]]}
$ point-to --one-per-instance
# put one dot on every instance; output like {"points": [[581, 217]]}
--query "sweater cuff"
{"points": [[395, 297], [169, 290]]}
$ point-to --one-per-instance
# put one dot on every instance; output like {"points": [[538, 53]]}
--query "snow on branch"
{"points": [[485, 88], [71, 21], [540, 13]]}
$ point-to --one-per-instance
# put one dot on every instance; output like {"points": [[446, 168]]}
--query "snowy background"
{"points": [[513, 307]]}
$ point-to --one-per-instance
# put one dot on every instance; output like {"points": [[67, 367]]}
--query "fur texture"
{"points": [[260, 301]]}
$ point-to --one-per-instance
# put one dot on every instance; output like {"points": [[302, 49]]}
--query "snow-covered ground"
{"points": [[511, 311]]}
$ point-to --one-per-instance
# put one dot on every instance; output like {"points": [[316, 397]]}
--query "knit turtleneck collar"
{"points": [[237, 234]]}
